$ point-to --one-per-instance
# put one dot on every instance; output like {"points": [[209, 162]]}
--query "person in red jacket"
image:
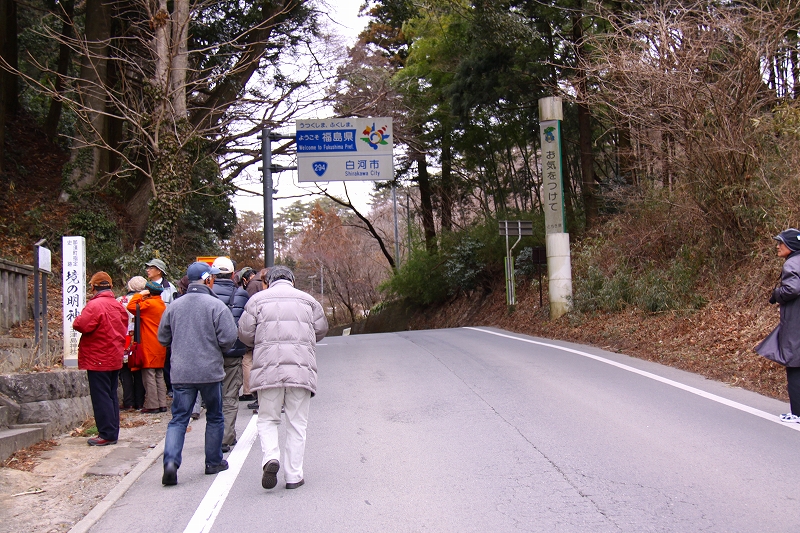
{"points": [[103, 324], [151, 307]]}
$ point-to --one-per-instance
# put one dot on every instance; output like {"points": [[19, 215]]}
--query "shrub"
{"points": [[648, 288], [420, 279]]}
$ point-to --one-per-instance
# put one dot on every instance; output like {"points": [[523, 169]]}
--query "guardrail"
{"points": [[13, 293]]}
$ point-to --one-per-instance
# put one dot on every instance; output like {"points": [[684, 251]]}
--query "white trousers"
{"points": [[296, 402]]}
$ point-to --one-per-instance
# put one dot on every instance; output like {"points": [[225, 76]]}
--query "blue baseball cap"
{"points": [[200, 271]]}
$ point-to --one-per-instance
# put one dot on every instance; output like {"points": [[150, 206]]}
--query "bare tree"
{"points": [[174, 79], [686, 82]]}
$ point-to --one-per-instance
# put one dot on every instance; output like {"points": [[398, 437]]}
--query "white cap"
{"points": [[224, 265]]}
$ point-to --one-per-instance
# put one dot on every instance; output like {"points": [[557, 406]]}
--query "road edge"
{"points": [[117, 492]]}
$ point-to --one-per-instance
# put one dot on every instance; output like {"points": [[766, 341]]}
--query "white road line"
{"points": [[212, 503], [676, 384]]}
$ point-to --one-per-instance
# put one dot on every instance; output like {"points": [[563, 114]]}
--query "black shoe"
{"points": [[253, 405], [295, 485], [195, 416], [170, 476], [216, 469], [247, 398], [226, 448], [162, 409], [270, 476]]}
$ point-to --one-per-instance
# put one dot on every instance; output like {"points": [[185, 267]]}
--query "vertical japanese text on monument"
{"points": [[74, 287], [552, 190]]}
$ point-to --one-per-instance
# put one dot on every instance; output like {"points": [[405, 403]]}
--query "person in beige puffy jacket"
{"points": [[283, 325]]}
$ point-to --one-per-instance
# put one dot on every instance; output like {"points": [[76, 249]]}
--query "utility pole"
{"points": [[267, 169]]}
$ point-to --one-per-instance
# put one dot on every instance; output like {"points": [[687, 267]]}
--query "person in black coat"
{"points": [[235, 298]]}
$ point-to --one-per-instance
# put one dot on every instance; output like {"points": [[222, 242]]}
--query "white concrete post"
{"points": [[559, 269], [559, 274]]}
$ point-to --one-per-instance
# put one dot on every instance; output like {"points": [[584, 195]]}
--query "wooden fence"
{"points": [[13, 293]]}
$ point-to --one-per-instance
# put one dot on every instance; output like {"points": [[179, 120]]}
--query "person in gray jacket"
{"points": [[783, 344], [200, 328], [283, 325]]}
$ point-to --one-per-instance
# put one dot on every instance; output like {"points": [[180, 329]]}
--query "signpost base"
{"points": [[559, 273]]}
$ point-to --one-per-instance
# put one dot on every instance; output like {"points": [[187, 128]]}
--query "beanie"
{"points": [[136, 284]]}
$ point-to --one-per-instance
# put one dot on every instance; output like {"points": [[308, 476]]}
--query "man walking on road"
{"points": [[235, 298], [200, 328], [283, 324]]}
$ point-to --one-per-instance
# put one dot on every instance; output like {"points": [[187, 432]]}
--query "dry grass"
{"points": [[716, 341]]}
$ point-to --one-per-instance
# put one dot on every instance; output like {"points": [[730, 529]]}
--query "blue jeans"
{"points": [[183, 398]]}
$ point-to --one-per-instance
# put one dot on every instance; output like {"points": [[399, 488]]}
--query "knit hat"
{"points": [[790, 237], [136, 284], [280, 272], [154, 288], [101, 280]]}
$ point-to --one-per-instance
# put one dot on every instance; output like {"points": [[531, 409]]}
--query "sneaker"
{"points": [[170, 476], [270, 476], [99, 441], [790, 418], [195, 416], [216, 469]]}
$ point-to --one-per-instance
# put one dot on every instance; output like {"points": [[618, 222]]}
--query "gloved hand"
{"points": [[772, 299]]}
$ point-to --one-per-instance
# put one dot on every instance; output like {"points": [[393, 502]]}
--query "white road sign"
{"points": [[345, 149]]}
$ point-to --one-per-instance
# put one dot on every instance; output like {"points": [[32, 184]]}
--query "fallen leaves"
{"points": [[27, 458]]}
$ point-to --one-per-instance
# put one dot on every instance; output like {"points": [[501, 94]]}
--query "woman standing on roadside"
{"points": [[783, 344], [151, 307], [131, 378]]}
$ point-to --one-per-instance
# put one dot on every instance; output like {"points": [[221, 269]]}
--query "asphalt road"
{"points": [[481, 430]]}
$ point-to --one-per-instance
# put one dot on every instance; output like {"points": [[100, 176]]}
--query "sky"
{"points": [[345, 21]]}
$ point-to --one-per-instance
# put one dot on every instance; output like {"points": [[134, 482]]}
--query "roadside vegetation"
{"points": [[681, 150]]}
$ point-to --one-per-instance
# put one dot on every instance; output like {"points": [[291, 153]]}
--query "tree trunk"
{"points": [[625, 156], [423, 179], [10, 51], [180, 58], [588, 186], [3, 32], [89, 158], [447, 188], [54, 115]]}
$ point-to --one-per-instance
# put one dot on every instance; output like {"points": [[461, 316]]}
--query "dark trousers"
{"points": [[132, 387], [793, 386], [105, 402], [167, 380]]}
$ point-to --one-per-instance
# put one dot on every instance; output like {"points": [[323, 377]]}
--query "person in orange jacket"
{"points": [[151, 307]]}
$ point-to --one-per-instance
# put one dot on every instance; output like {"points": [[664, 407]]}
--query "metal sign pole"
{"points": [[36, 295], [266, 170], [396, 229]]}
